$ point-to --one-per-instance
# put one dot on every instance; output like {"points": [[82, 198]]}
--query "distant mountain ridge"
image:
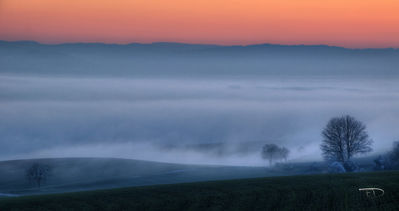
{"points": [[181, 44], [179, 59]]}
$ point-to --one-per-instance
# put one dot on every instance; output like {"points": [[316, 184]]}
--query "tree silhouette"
{"points": [[284, 152], [270, 152], [344, 137], [38, 174]]}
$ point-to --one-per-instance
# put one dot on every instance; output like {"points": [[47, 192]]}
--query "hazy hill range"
{"points": [[168, 59]]}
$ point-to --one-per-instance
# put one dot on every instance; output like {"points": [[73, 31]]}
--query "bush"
{"points": [[390, 160], [394, 156], [336, 168], [351, 166]]}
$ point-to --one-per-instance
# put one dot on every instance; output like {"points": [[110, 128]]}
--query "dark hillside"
{"points": [[316, 192]]}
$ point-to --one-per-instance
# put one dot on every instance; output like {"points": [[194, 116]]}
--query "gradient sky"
{"points": [[348, 23]]}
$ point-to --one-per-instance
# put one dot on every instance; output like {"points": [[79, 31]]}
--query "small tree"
{"points": [[284, 152], [344, 137], [270, 152], [37, 174]]}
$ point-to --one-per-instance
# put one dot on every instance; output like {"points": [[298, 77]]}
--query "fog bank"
{"points": [[208, 121]]}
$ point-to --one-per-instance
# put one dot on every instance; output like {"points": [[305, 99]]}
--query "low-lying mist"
{"points": [[186, 120]]}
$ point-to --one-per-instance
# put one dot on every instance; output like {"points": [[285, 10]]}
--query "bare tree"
{"points": [[343, 137], [270, 152], [38, 174], [284, 152]]}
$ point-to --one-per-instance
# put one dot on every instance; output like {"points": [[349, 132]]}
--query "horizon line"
{"points": [[203, 44]]}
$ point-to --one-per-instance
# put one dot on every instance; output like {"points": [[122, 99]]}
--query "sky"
{"points": [[346, 23]]}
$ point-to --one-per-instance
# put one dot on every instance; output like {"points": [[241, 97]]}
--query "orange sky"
{"points": [[348, 23]]}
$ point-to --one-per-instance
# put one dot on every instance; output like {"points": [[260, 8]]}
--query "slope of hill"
{"points": [[316, 192], [76, 174]]}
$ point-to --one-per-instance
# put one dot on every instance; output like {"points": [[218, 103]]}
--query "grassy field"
{"points": [[83, 174], [311, 192]]}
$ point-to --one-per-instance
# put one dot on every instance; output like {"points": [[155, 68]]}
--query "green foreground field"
{"points": [[311, 192]]}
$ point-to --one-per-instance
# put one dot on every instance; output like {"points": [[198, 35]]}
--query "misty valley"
{"points": [[93, 117]]}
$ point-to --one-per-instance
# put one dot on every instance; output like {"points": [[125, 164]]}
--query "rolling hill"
{"points": [[312, 192], [77, 174]]}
